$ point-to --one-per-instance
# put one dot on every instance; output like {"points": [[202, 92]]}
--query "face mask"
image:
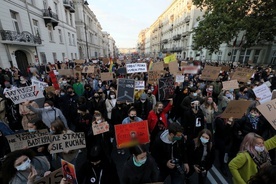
{"points": [[112, 96], [210, 89], [139, 163], [99, 121], [160, 110], [194, 94], [52, 131], [48, 107], [143, 101], [31, 130], [231, 90], [62, 94], [228, 95], [203, 140], [96, 96], [64, 82], [177, 138], [259, 148], [24, 166], [70, 92], [132, 117], [100, 84], [209, 102]]}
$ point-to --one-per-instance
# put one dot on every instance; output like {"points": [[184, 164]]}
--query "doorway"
{"points": [[22, 62]]}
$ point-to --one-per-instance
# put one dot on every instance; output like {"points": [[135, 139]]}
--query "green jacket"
{"points": [[243, 166]]}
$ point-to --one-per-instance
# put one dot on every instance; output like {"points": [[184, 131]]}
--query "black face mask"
{"points": [[70, 92], [96, 97], [132, 117]]}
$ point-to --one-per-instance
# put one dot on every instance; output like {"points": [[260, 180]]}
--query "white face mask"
{"points": [[143, 101], [24, 166], [99, 121], [112, 96], [204, 140], [48, 107], [259, 148]]}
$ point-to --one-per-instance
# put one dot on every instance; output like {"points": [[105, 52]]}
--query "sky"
{"points": [[124, 19]]}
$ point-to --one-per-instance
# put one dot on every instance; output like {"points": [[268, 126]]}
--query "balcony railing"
{"points": [[165, 41], [69, 5], [187, 19], [177, 37], [50, 17], [177, 49], [14, 37]]}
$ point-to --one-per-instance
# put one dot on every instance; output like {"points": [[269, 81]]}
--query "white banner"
{"points": [[179, 78], [41, 85], [263, 92], [20, 95], [140, 85], [136, 67]]}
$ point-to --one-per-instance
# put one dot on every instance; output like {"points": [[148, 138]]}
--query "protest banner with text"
{"points": [[179, 78], [140, 85], [125, 90], [53, 178], [210, 73], [189, 69], [268, 110], [263, 93], [88, 69], [166, 88], [66, 72], [173, 67], [243, 74], [158, 66], [235, 109], [136, 67], [153, 77], [41, 85], [99, 128], [232, 84]]}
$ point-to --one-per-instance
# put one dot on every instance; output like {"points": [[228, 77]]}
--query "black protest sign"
{"points": [[67, 142], [166, 88], [125, 90], [28, 139], [53, 178]]}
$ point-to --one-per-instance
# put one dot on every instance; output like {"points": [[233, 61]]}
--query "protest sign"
{"points": [[132, 133], [232, 84], [28, 139], [54, 79], [106, 76], [273, 94], [53, 178], [189, 69], [170, 58], [136, 67], [100, 128], [50, 89], [67, 142], [153, 77], [268, 83], [263, 93], [105, 61], [125, 90], [225, 68], [23, 94], [243, 74], [268, 110], [166, 88], [140, 85], [235, 109], [88, 69], [79, 62], [210, 73], [63, 66], [173, 67], [158, 66], [66, 72], [41, 85], [69, 172], [179, 78]]}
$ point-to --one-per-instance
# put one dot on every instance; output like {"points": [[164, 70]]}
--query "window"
{"points": [[234, 55], [71, 19], [60, 36], [256, 55], [69, 38], [56, 7], [50, 33], [55, 56], [36, 29], [273, 58], [66, 16], [91, 38], [73, 39], [43, 57], [76, 56], [14, 16], [219, 55], [72, 56], [63, 56], [244, 56]]}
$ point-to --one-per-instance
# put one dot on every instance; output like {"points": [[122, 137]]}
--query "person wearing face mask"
{"points": [[98, 104], [252, 157], [201, 155], [186, 102], [169, 152], [140, 167], [143, 106], [84, 120], [242, 94], [180, 94], [78, 88], [22, 166], [110, 103], [132, 116], [209, 109], [151, 97], [224, 98]]}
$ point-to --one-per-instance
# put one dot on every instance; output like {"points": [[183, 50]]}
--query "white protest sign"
{"points": [[268, 110], [20, 95], [140, 85], [100, 128], [189, 69], [136, 67], [179, 78], [263, 92], [268, 83], [232, 84], [41, 85]]}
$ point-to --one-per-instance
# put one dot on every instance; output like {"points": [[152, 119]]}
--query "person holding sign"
{"points": [[27, 114], [22, 166]]}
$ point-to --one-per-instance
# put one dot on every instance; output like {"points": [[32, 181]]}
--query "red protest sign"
{"points": [[54, 79], [132, 133]]}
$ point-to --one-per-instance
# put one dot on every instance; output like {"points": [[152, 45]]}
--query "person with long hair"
{"points": [[209, 109], [252, 157], [201, 155]]}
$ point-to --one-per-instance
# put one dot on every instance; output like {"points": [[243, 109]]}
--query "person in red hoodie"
{"points": [[157, 119]]}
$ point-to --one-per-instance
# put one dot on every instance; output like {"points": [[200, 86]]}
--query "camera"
{"points": [[203, 171], [177, 165]]}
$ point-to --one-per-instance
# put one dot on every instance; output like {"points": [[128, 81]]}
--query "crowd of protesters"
{"points": [[186, 132]]}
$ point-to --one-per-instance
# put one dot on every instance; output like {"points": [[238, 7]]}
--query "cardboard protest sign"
{"points": [[125, 90], [235, 109], [105, 60], [41, 85], [243, 74], [79, 62], [166, 88], [132, 133], [210, 73], [136, 67], [100, 128], [53, 178], [179, 78], [66, 72], [106, 76], [232, 84], [23, 94], [54, 79], [69, 172], [273, 94], [173, 67], [63, 66], [140, 85], [153, 76], [189, 69], [50, 89], [28, 139], [268, 110], [225, 68], [67, 142], [158, 66], [88, 69], [263, 92]]}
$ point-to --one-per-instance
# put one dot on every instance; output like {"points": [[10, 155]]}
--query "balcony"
{"points": [[50, 17], [186, 33], [165, 50], [165, 41], [176, 49], [69, 5], [187, 19], [177, 37], [23, 38]]}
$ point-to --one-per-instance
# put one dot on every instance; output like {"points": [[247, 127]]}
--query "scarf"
{"points": [[261, 160], [253, 120]]}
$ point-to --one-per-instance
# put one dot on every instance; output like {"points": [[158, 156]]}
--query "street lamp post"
{"points": [[85, 29]]}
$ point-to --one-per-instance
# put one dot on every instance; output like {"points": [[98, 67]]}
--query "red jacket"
{"points": [[152, 117]]}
